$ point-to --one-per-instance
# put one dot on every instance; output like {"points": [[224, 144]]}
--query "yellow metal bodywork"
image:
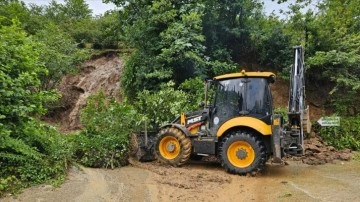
{"points": [[194, 131], [165, 143], [182, 119], [246, 148], [245, 74], [250, 122], [276, 121]]}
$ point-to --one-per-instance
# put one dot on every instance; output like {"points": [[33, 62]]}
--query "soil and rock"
{"points": [[317, 152], [196, 180], [100, 73]]}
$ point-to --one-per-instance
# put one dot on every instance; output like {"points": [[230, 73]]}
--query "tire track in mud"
{"points": [[95, 185], [201, 181], [124, 184]]}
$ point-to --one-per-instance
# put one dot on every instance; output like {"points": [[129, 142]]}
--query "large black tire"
{"points": [[242, 153], [172, 147]]}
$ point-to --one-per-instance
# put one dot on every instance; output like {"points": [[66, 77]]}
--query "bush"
{"points": [[162, 106], [347, 135], [108, 124], [32, 153], [283, 111]]}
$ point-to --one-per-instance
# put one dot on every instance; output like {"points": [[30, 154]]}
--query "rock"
{"points": [[329, 160], [345, 156], [47, 187], [320, 156], [331, 148], [313, 161], [312, 134], [314, 148], [318, 152], [346, 151], [309, 153]]}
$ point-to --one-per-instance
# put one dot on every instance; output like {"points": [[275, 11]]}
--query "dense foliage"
{"points": [[184, 39], [347, 135], [35, 52], [104, 142], [30, 152], [337, 54], [168, 43], [224, 35], [161, 106]]}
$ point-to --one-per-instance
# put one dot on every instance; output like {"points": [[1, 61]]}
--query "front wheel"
{"points": [[172, 147], [242, 153]]}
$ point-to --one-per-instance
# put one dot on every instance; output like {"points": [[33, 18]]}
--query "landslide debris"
{"points": [[318, 152], [100, 72]]}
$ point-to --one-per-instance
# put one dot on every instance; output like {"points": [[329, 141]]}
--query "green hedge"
{"points": [[347, 135]]}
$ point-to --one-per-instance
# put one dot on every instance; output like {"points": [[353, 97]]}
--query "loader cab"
{"points": [[240, 94]]}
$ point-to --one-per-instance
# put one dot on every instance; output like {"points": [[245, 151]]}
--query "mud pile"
{"points": [[318, 152], [100, 73]]}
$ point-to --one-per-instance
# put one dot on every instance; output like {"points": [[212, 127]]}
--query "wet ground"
{"points": [[204, 181]]}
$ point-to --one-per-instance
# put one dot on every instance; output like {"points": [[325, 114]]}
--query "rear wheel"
{"points": [[242, 153], [172, 147]]}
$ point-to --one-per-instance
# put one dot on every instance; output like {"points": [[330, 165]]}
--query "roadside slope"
{"points": [[100, 72]]}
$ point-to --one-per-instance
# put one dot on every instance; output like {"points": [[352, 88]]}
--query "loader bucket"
{"points": [[142, 146]]}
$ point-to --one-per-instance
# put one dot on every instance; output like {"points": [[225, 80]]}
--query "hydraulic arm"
{"points": [[297, 111]]}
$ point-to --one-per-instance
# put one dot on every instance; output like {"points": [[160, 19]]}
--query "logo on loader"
{"points": [[194, 120]]}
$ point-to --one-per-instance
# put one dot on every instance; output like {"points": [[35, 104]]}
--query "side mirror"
{"points": [[272, 79]]}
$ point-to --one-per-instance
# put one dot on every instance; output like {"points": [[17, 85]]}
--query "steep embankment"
{"points": [[101, 72]]}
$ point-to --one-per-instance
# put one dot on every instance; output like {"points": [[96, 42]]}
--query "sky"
{"points": [[98, 7]]}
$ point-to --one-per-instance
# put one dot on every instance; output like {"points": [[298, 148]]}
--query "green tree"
{"points": [[336, 59], [272, 44], [30, 152], [341, 66], [74, 17], [77, 10], [20, 69], [194, 89], [168, 42], [109, 30], [227, 27], [58, 54], [10, 10]]}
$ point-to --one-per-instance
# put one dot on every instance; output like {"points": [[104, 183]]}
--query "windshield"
{"points": [[243, 96]]}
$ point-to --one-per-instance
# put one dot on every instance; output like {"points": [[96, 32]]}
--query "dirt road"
{"points": [[203, 181]]}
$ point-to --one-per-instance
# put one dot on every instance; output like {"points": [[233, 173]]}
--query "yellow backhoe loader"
{"points": [[237, 123]]}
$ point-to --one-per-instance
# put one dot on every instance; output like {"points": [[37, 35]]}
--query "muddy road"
{"points": [[203, 181]]}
